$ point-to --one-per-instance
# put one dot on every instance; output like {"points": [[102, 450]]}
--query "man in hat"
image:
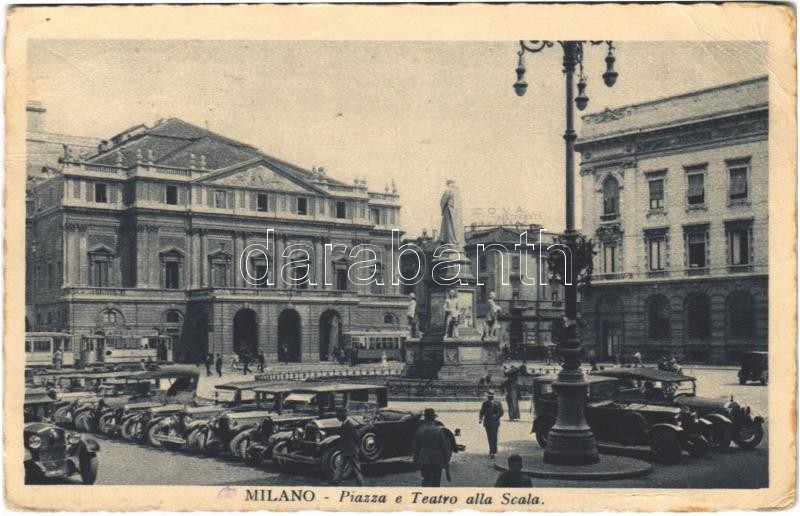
{"points": [[411, 315], [490, 415], [348, 443], [514, 476], [432, 451]]}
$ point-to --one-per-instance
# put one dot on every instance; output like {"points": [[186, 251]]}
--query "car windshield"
{"points": [[233, 395], [300, 402]]}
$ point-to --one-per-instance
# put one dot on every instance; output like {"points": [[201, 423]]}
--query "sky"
{"points": [[417, 113]]}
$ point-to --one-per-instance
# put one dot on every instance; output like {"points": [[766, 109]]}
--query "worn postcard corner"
{"points": [[409, 260]]}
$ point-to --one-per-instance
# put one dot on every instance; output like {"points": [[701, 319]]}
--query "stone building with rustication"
{"points": [[674, 194], [151, 234]]}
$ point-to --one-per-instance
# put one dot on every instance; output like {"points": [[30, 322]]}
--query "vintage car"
{"points": [[730, 421], [181, 429], [84, 389], [666, 430], [174, 385], [384, 435], [754, 367], [283, 407], [112, 392], [53, 452], [306, 402]]}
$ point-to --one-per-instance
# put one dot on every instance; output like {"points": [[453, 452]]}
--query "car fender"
{"points": [[329, 441], [28, 455], [667, 426], [89, 445], [718, 418], [193, 425]]}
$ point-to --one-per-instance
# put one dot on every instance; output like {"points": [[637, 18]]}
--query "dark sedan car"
{"points": [[666, 430], [754, 367], [383, 434], [53, 452], [730, 420]]}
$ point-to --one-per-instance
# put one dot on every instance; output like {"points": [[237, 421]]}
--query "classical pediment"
{"points": [[257, 176]]}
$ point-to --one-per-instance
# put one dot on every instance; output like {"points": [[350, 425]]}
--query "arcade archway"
{"points": [[245, 332], [330, 333], [289, 336]]}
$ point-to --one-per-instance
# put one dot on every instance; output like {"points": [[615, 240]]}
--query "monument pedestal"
{"points": [[453, 359]]}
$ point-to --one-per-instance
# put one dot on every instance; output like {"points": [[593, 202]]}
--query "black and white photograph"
{"points": [[504, 265]]}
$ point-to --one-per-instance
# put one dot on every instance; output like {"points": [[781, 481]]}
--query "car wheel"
{"points": [[62, 414], [32, 476], [193, 441], [331, 461], [278, 460], [153, 432], [83, 422], [370, 444], [253, 455], [666, 447], [129, 429], [103, 424], [698, 445], [542, 427], [721, 435], [88, 464], [209, 443], [238, 445], [748, 435]]}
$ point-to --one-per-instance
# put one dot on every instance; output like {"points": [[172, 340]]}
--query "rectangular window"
{"points": [[172, 194], [341, 279], [515, 264], [302, 206], [696, 193], [219, 274], [656, 194], [609, 257], [657, 253], [696, 248], [98, 273], [375, 216], [739, 246], [262, 202], [172, 275], [100, 192], [341, 210], [219, 198], [738, 183], [260, 273]]}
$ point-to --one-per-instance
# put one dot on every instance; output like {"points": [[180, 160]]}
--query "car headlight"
{"points": [[232, 423], [186, 419], [321, 435], [34, 442], [678, 417], [297, 434], [73, 438]]}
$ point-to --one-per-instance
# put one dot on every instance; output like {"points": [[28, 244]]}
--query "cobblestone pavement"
{"points": [[124, 463]]}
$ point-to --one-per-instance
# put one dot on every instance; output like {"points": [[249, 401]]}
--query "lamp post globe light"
{"points": [[570, 440]]}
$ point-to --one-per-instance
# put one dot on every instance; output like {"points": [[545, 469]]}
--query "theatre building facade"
{"points": [[674, 194], [152, 233]]}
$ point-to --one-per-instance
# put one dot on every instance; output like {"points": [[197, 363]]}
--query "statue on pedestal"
{"points": [[452, 229]]}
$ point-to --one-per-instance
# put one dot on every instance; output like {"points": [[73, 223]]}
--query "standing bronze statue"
{"points": [[452, 230]]}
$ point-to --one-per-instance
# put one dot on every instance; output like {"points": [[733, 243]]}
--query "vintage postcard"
{"points": [[400, 257]]}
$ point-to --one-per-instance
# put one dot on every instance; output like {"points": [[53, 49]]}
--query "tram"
{"points": [[40, 347], [372, 345], [120, 350]]}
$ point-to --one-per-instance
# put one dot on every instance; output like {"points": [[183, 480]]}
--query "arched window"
{"points": [[110, 317], [698, 317], [740, 316], [173, 317], [390, 318], [610, 196], [658, 317]]}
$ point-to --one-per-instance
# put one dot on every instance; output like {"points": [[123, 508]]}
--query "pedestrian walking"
{"points": [[285, 351], [58, 358], [512, 392], [218, 364], [637, 359], [209, 363], [490, 415], [348, 444], [246, 362], [261, 361], [432, 451], [514, 476], [354, 357]]}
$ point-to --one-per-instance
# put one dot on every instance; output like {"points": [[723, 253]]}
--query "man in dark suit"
{"points": [[514, 476], [218, 365], [432, 451], [348, 444], [491, 412]]}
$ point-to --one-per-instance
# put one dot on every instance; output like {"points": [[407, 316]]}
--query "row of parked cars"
{"points": [[291, 424], [659, 409]]}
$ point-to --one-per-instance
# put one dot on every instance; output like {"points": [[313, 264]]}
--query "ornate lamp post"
{"points": [[570, 441]]}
